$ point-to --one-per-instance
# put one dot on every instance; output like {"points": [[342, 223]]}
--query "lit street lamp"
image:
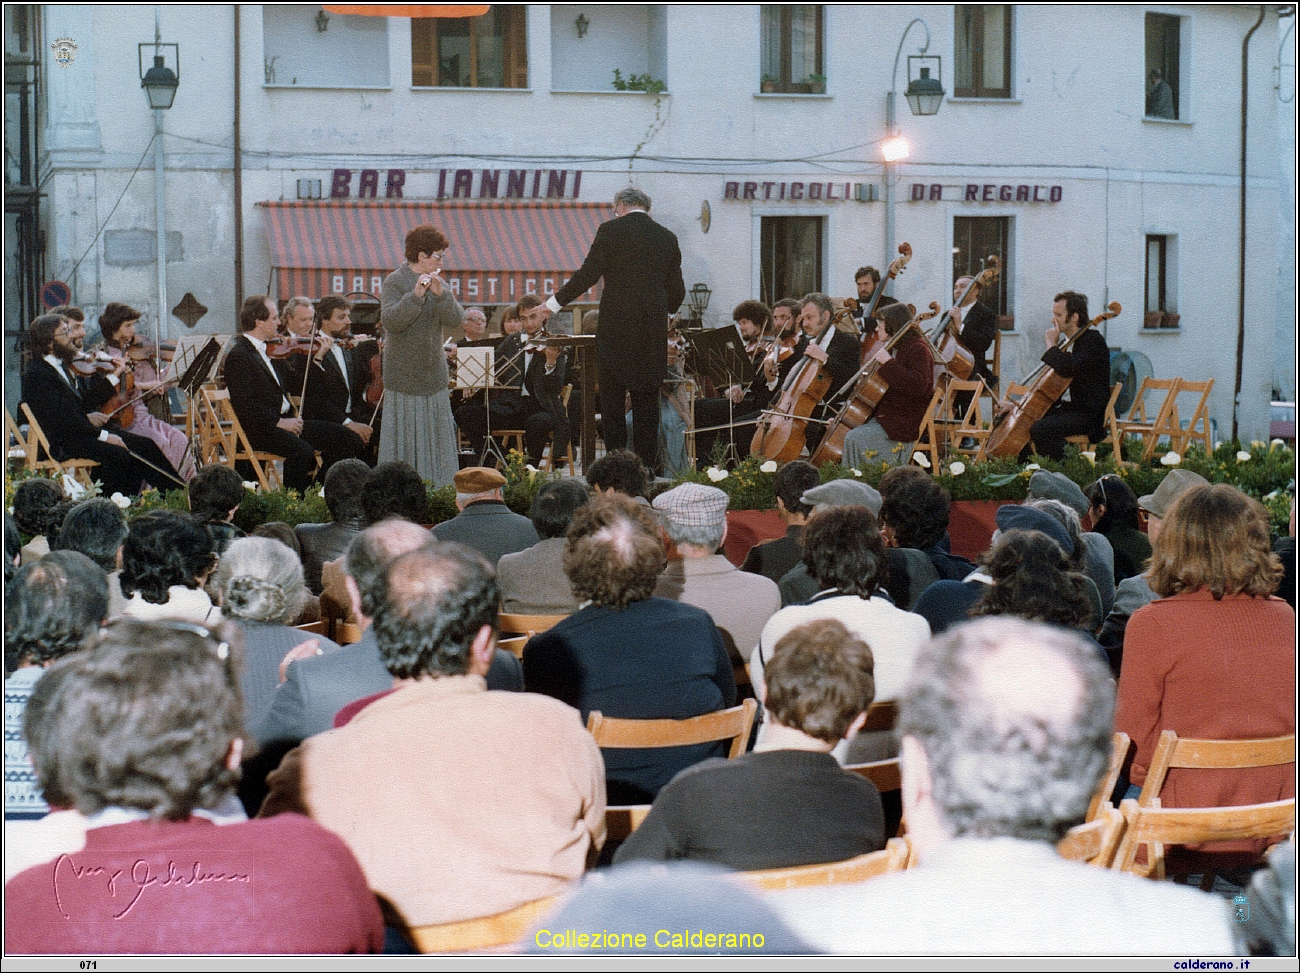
{"points": [[924, 96]]}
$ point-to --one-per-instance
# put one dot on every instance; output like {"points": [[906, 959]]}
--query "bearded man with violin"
{"points": [[737, 404], [260, 398], [54, 392]]}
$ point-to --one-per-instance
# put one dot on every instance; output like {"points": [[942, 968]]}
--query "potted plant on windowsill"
{"points": [[767, 85], [816, 83], [1171, 320], [1153, 319]]}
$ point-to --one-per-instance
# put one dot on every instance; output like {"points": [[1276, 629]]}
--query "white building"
{"points": [[508, 131]]}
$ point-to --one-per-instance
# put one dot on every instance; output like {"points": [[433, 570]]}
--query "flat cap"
{"points": [[1046, 485], [478, 479], [844, 493], [693, 505], [1173, 486], [1012, 516]]}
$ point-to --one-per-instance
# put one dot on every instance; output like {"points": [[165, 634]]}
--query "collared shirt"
{"points": [[62, 369], [260, 345]]}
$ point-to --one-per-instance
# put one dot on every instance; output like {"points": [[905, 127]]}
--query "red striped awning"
{"points": [[498, 250]]}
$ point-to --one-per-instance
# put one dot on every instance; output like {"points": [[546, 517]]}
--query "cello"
{"points": [[782, 432], [896, 267], [1042, 389], [869, 387], [949, 351]]}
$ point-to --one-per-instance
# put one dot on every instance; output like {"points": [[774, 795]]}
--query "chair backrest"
{"points": [[225, 427], [887, 775], [1120, 746], [1197, 425], [1156, 827], [347, 633], [1095, 841], [39, 456], [729, 724], [894, 857], [1171, 752], [515, 645], [315, 628], [488, 932], [17, 445], [511, 623], [881, 716], [622, 819]]}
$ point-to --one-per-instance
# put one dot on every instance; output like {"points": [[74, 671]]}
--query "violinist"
{"points": [[791, 341], [1082, 409], [840, 357], [260, 397], [896, 422], [738, 405]]}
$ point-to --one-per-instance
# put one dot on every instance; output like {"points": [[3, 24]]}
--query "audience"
{"points": [[787, 803], [484, 522], [1006, 730], [475, 802], [13, 547], [797, 585], [914, 512], [52, 606], [1094, 563], [619, 471], [215, 494], [320, 543], [166, 561], [97, 528], [773, 559], [1097, 554], [144, 735], [628, 654], [33, 500], [1113, 510], [533, 581]]}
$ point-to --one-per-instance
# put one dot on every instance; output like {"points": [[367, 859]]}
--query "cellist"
{"points": [[896, 422], [1082, 410], [840, 356]]}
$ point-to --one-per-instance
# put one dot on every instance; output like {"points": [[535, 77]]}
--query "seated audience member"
{"points": [[284, 534], [773, 559], [33, 500], [797, 585], [1268, 927], [1113, 510], [215, 494], [914, 512], [148, 737], [628, 654], [322, 543], [484, 522], [1135, 592], [533, 581], [261, 588], [51, 608], [97, 528], [1006, 730], [1099, 555], [787, 803], [317, 687], [694, 521], [13, 546], [619, 471], [1215, 656], [166, 561], [1284, 548], [508, 804], [1096, 561]]}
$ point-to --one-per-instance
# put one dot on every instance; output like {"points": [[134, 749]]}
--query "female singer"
{"points": [[419, 312]]}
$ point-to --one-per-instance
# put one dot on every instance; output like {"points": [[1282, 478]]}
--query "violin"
{"points": [[141, 350], [869, 387], [896, 267], [375, 390], [283, 346], [949, 350], [1042, 389]]}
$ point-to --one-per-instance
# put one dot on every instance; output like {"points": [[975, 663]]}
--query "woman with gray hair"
{"points": [[261, 585]]}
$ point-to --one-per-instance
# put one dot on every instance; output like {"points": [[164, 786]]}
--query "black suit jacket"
{"points": [[1087, 365], [60, 411], [977, 333], [641, 264], [255, 391], [329, 395]]}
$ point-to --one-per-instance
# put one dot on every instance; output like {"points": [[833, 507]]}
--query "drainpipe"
{"points": [[239, 184], [1241, 243]]}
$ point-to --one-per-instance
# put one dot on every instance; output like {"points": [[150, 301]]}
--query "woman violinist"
{"points": [[896, 422]]}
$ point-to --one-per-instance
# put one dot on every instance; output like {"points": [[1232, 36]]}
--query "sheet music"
{"points": [[474, 367]]}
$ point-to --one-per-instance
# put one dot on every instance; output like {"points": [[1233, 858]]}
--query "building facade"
{"points": [[757, 131]]}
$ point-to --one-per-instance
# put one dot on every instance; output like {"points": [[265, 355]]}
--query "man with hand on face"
{"points": [[867, 280]]}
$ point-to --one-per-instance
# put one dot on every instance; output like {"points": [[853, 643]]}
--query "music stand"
{"points": [[476, 368], [719, 355]]}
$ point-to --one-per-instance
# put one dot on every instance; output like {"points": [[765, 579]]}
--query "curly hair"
{"points": [[614, 554], [96, 528], [425, 238], [394, 489], [755, 312], [1214, 538], [113, 317], [145, 721], [842, 550], [620, 469], [214, 491], [435, 601], [33, 499], [1032, 580], [914, 507], [1118, 500], [343, 485], [791, 482], [51, 607], [261, 580], [820, 677], [554, 506], [165, 549]]}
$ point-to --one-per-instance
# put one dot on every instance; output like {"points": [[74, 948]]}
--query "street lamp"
{"points": [[700, 294], [159, 83], [924, 96]]}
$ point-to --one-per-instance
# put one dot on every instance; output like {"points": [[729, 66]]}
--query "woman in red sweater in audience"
{"points": [[1215, 656]]}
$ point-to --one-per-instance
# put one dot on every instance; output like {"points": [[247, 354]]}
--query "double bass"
{"points": [[1042, 389], [949, 351], [869, 387], [896, 267]]}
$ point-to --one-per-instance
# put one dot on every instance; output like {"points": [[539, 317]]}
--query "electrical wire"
{"points": [[115, 205]]}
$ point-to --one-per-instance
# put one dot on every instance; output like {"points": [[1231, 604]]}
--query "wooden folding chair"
{"points": [[1197, 427], [487, 933], [1094, 842], [228, 435], [509, 623], [42, 458], [1112, 428], [932, 437], [315, 628], [548, 453], [1187, 753], [622, 819], [347, 632], [961, 425], [1150, 429], [729, 724], [895, 857], [515, 646], [1120, 746], [1156, 827], [18, 448]]}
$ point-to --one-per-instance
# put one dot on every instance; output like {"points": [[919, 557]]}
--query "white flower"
{"points": [[72, 487], [1170, 459], [1243, 456], [1267, 496], [768, 467], [1256, 444], [715, 474], [1090, 455], [1275, 443], [921, 460], [957, 468], [855, 471], [121, 501], [1032, 466], [250, 485]]}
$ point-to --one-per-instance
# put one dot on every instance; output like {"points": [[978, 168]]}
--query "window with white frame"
{"points": [[1165, 39], [982, 45], [793, 57], [1161, 306]]}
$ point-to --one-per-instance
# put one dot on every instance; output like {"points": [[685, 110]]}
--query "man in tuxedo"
{"points": [[54, 394], [641, 264], [261, 402], [979, 325], [867, 280], [837, 350]]}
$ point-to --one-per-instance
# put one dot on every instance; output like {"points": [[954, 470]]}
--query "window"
{"points": [[792, 49], [791, 257], [471, 52], [974, 238], [349, 52], [1161, 305], [1164, 57], [631, 38], [983, 49]]}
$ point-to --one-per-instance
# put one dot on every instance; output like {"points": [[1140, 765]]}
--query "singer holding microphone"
{"points": [[418, 313]]}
